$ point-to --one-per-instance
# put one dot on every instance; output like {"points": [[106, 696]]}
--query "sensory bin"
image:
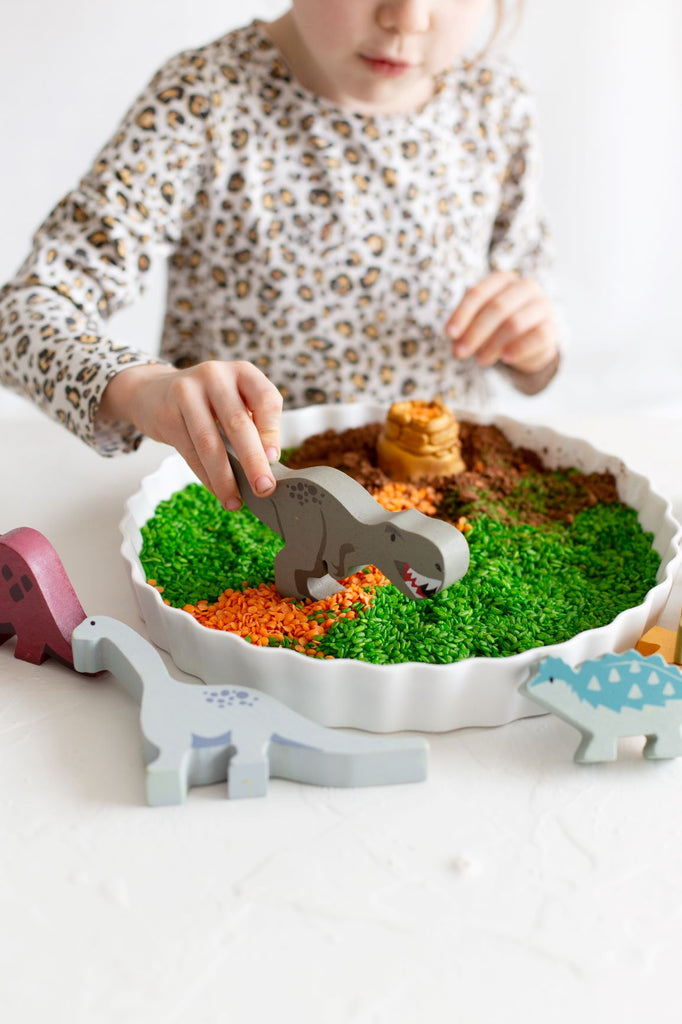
{"points": [[569, 551], [553, 552]]}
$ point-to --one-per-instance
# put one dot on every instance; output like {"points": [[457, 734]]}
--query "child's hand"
{"points": [[184, 407], [508, 318]]}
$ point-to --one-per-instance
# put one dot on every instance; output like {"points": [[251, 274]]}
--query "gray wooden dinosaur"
{"points": [[331, 527], [196, 735]]}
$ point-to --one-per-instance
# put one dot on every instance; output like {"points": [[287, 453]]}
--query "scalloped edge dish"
{"points": [[413, 696]]}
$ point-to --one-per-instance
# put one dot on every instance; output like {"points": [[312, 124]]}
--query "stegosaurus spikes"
{"points": [[633, 658], [617, 681], [631, 680]]}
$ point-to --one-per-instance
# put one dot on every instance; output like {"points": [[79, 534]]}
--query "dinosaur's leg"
{"points": [[593, 749], [6, 632], [168, 778], [319, 588], [664, 744], [248, 770], [293, 581], [291, 576], [300, 568], [28, 650]]}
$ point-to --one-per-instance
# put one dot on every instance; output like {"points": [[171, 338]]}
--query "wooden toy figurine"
{"points": [[37, 601], [196, 735], [193, 735], [614, 696], [666, 642], [331, 527]]}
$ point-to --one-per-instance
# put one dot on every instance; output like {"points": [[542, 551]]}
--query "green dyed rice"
{"points": [[195, 550], [527, 586]]}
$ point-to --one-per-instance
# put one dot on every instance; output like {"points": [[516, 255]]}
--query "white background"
{"points": [[513, 886], [608, 78]]}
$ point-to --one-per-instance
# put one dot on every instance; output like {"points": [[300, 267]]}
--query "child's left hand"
{"points": [[507, 318]]}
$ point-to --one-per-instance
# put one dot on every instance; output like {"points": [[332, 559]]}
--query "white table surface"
{"points": [[511, 886]]}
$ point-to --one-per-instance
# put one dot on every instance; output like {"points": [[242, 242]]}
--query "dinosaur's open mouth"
{"points": [[420, 586]]}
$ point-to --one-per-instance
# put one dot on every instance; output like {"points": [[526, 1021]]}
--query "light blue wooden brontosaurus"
{"points": [[614, 696], [197, 735]]}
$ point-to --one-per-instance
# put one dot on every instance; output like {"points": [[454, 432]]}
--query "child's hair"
{"points": [[503, 12]]}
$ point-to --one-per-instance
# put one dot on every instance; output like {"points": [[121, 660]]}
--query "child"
{"points": [[349, 211]]}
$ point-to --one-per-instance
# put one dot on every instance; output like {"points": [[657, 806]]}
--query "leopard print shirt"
{"points": [[327, 247]]}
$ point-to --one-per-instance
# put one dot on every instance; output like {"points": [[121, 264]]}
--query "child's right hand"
{"points": [[183, 408]]}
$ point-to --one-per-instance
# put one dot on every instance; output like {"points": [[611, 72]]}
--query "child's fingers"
{"points": [[183, 443], [532, 351], [517, 325], [475, 299], [501, 307], [199, 442], [187, 408], [174, 423], [264, 401], [227, 409], [203, 399]]}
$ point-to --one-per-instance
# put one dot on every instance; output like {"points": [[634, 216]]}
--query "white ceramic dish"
{"points": [[415, 696]]}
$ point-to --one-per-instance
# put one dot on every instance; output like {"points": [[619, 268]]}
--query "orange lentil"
{"points": [[259, 614], [396, 496], [424, 412], [463, 524]]}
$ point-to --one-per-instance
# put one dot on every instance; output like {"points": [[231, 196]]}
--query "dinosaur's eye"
{"points": [[392, 536], [439, 567]]}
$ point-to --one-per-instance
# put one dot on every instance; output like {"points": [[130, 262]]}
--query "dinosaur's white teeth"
{"points": [[420, 586]]}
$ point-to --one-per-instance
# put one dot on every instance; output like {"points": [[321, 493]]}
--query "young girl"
{"points": [[349, 211]]}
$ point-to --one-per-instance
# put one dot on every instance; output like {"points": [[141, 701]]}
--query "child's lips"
{"points": [[385, 65]]}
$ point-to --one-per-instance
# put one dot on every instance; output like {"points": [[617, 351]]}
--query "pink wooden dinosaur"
{"points": [[37, 601]]}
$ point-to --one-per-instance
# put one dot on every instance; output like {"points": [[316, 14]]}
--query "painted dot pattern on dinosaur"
{"points": [[228, 698], [303, 493]]}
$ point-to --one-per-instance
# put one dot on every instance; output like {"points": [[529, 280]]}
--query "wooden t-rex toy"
{"points": [[331, 526]]}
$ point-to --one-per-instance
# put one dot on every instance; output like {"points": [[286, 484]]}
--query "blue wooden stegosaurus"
{"points": [[614, 696]]}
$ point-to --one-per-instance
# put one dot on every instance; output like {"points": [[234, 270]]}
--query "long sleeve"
{"points": [[91, 255], [327, 247], [521, 240]]}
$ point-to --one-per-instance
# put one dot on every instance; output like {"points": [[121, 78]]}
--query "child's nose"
{"points": [[405, 16]]}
